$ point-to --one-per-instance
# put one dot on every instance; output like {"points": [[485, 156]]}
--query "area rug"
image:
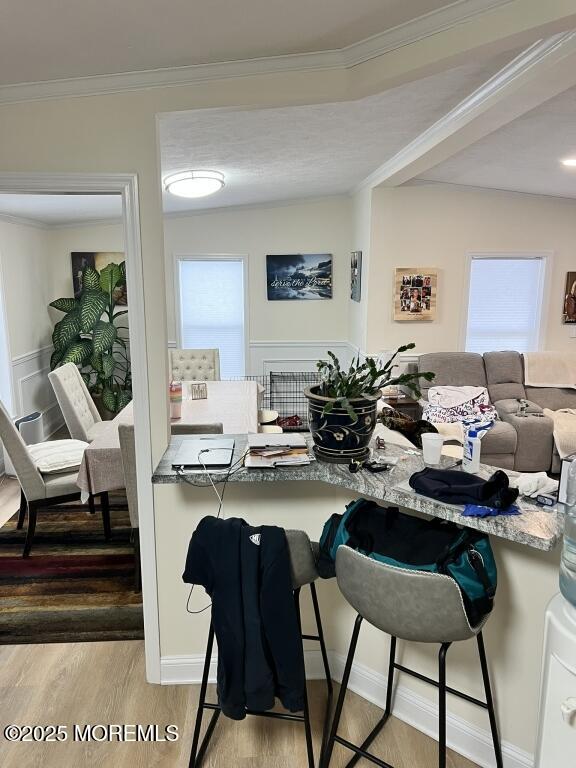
{"points": [[74, 586]]}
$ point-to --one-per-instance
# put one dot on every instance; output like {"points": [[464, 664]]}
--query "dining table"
{"points": [[234, 404]]}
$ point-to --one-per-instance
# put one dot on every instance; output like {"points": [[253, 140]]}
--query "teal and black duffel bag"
{"points": [[393, 537]]}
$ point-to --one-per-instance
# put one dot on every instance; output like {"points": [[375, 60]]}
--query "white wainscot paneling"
{"points": [[293, 355], [33, 391]]}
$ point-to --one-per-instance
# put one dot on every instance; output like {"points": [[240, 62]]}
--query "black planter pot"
{"points": [[337, 438]]}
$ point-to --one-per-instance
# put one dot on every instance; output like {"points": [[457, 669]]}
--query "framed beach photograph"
{"points": [[98, 260], [299, 276], [356, 275], [415, 291]]}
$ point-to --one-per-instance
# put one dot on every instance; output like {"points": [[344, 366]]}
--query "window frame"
{"points": [[543, 288], [241, 257]]}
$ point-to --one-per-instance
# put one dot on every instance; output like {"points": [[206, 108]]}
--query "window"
{"points": [[504, 303], [211, 303]]}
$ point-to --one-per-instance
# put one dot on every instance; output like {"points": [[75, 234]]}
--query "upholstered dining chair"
{"points": [[128, 451], [39, 491], [195, 364], [80, 413]]}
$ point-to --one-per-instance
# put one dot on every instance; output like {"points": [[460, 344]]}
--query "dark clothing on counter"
{"points": [[456, 487], [246, 572]]}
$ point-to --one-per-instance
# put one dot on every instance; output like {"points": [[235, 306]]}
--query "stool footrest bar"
{"points": [[435, 683], [276, 715], [362, 753]]}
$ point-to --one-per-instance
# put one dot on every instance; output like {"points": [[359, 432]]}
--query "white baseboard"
{"points": [[422, 713], [187, 670], [463, 737]]}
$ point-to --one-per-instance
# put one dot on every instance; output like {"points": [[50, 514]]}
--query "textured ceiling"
{"points": [[61, 209], [309, 151], [523, 156], [51, 39]]}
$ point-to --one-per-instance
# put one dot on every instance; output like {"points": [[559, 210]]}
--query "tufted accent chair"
{"points": [[80, 413], [195, 364]]}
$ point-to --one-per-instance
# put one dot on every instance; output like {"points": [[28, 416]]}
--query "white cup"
{"points": [[432, 448]]}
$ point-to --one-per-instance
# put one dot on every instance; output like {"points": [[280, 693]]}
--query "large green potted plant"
{"points": [[91, 335], [342, 407]]}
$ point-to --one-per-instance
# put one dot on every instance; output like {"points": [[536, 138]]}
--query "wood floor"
{"points": [[102, 683], [9, 498]]}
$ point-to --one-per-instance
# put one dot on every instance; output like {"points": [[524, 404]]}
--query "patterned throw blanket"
{"points": [[469, 406]]}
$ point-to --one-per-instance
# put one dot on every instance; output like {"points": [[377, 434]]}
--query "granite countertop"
{"points": [[536, 527]]}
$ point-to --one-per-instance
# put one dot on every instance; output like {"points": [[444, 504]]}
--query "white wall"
{"points": [[31, 278], [278, 330], [437, 226], [361, 236]]}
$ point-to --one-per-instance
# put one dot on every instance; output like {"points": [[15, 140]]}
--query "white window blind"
{"points": [[504, 304], [212, 310]]}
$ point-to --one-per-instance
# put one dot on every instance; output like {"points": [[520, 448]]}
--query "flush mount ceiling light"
{"points": [[194, 183], [569, 162]]}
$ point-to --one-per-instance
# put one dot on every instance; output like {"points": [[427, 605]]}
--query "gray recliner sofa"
{"points": [[525, 444], [462, 369]]}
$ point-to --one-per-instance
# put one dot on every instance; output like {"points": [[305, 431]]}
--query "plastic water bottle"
{"points": [[568, 561], [471, 457]]}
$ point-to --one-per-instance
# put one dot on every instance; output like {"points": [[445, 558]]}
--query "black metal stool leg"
{"points": [[380, 724], [340, 703], [195, 755], [307, 727], [321, 639], [390, 684], [442, 705], [489, 700], [327, 673]]}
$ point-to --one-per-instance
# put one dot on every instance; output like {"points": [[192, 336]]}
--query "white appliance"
{"points": [[556, 747]]}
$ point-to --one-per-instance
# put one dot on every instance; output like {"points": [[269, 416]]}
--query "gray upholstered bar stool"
{"points": [[410, 605], [303, 557]]}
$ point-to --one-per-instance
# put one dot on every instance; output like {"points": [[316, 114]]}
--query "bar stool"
{"points": [[303, 557], [410, 605]]}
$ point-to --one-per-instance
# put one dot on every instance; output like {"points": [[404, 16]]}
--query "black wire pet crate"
{"points": [[283, 391]]}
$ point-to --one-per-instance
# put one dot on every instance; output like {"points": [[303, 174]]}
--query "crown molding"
{"points": [[540, 54], [22, 221], [459, 187], [412, 31], [109, 222]]}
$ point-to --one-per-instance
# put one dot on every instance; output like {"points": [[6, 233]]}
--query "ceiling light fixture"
{"points": [[569, 162], [194, 183]]}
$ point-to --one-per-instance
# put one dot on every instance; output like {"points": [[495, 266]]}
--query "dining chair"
{"points": [[128, 452], [38, 491], [80, 413], [195, 364]]}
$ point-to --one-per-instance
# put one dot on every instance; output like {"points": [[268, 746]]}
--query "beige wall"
{"points": [[437, 226], [32, 278], [314, 226], [361, 229], [85, 237]]}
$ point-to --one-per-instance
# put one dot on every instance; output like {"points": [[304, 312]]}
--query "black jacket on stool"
{"points": [[246, 572]]}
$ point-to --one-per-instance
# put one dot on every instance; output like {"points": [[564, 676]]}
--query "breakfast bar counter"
{"points": [[304, 498], [535, 526]]}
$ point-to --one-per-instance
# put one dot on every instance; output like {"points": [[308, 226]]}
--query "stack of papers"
{"points": [[282, 450]]}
